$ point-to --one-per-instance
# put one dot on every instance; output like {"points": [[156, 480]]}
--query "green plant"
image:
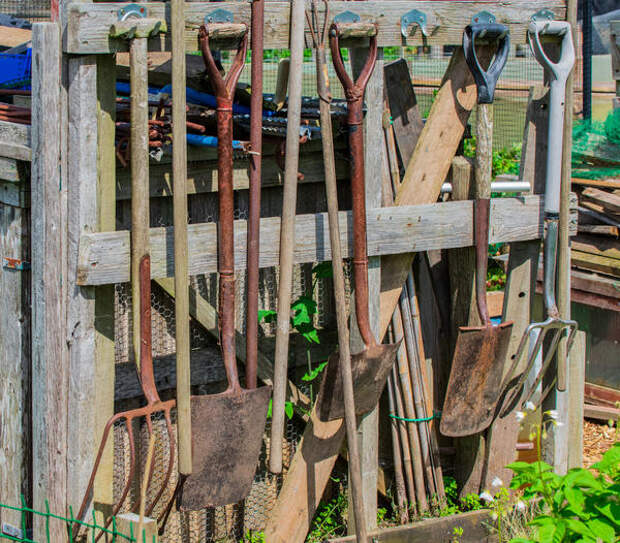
{"points": [[456, 504], [505, 160], [303, 312], [582, 506], [330, 520], [253, 537], [457, 533]]}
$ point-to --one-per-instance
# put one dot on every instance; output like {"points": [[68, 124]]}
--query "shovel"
{"points": [[554, 324], [480, 352], [370, 367], [227, 427]]}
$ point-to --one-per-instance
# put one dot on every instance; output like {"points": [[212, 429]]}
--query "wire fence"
{"points": [[75, 528], [37, 10]]}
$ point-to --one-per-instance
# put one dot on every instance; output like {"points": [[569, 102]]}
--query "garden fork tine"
{"points": [[558, 73]]}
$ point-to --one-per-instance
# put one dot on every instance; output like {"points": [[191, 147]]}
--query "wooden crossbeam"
{"points": [[104, 257], [88, 24]]}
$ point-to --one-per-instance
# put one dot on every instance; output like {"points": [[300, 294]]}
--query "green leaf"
{"points": [[610, 510], [602, 530], [610, 460], [270, 409], [579, 527], [312, 375], [289, 409], [323, 270], [267, 315]]}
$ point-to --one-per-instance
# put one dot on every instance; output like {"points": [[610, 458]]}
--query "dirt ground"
{"points": [[597, 438]]}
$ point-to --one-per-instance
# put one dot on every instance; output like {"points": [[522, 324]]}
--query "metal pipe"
{"points": [[586, 54], [256, 144], [497, 186]]}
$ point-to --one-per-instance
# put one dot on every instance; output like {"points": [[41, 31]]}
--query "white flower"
{"points": [[521, 506], [558, 423], [486, 497], [520, 416], [553, 414], [529, 406], [497, 482], [494, 515]]}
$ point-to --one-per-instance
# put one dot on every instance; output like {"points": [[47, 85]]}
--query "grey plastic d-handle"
{"points": [[558, 74]]}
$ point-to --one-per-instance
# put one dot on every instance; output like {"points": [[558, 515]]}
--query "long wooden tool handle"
{"points": [[331, 189], [287, 235], [484, 161], [181, 277]]}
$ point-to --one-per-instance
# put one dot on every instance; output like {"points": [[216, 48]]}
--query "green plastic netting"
{"points": [[596, 148]]}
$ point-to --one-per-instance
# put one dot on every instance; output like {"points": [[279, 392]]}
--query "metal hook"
{"points": [[413, 17]]}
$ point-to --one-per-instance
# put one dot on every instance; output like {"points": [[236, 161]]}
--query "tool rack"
{"points": [[62, 173]]}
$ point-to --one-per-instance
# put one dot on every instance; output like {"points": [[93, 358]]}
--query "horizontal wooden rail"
{"points": [[104, 257], [88, 24]]}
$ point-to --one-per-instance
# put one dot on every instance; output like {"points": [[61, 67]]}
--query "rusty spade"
{"points": [[480, 352]]}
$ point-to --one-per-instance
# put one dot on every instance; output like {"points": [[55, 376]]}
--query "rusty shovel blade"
{"points": [[370, 369], [474, 386], [227, 437]]}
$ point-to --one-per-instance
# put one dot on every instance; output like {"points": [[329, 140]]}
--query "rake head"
{"points": [[555, 326], [128, 418]]}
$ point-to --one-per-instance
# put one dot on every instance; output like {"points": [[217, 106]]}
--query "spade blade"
{"points": [[227, 437], [474, 386], [370, 371]]}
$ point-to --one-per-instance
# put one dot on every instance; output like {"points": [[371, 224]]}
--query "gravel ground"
{"points": [[597, 438]]}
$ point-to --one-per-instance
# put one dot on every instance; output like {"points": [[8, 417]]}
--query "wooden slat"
{"points": [[588, 261], [598, 394], [11, 36], [603, 183], [88, 25], [15, 359], [49, 340], [599, 412], [82, 185], [608, 200], [436, 530], [15, 134], [104, 257], [17, 151], [597, 245]]}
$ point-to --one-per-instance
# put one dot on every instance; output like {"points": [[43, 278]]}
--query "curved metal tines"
{"points": [[557, 327], [127, 419]]}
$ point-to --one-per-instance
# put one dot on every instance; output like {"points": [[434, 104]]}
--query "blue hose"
{"points": [[211, 141]]}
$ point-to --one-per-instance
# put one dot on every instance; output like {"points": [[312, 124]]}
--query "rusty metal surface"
{"points": [[228, 434], [370, 370], [371, 366], [478, 364], [475, 379], [154, 407], [227, 427]]}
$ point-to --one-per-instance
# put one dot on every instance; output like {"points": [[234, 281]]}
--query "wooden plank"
{"points": [[15, 373], [588, 261], [15, 134], [50, 377], [17, 151], [598, 394], [406, 118], [15, 194], [602, 183], [576, 379], [104, 295], [104, 257], [608, 200], [599, 412], [202, 176], [437, 530], [82, 217], [597, 246], [598, 229], [14, 170], [596, 284], [88, 25], [11, 36]]}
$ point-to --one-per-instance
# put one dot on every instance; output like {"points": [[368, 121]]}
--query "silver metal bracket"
{"points": [[413, 17], [219, 16], [131, 11], [483, 17], [347, 17], [543, 15]]}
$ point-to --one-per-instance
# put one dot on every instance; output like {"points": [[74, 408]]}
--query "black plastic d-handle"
{"points": [[486, 80]]}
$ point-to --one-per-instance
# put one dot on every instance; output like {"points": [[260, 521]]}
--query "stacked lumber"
{"points": [[596, 247]]}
